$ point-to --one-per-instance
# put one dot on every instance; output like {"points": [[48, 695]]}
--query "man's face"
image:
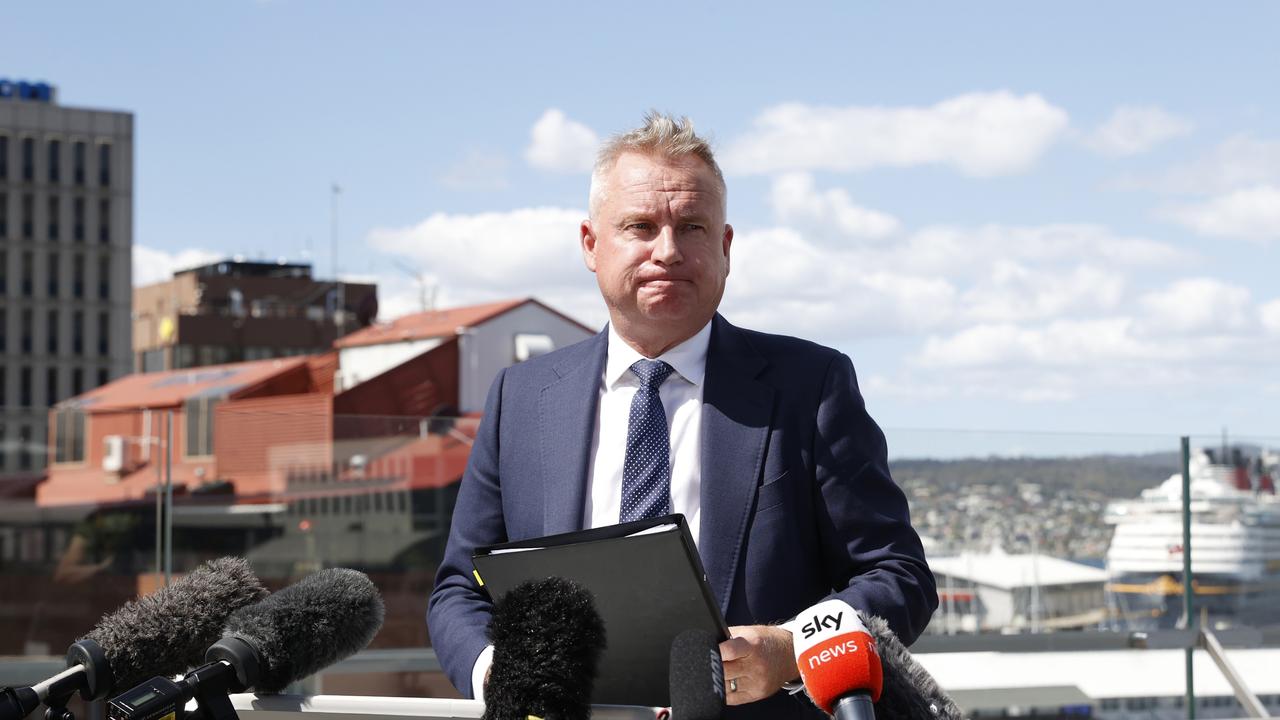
{"points": [[659, 247]]}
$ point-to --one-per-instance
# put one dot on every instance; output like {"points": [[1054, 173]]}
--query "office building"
{"points": [[66, 236], [239, 310]]}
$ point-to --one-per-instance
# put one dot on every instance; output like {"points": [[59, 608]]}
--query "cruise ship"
{"points": [[1235, 545]]}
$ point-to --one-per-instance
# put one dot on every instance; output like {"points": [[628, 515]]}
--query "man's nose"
{"points": [[665, 248]]}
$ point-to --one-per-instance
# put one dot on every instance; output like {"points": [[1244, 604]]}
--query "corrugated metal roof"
{"points": [[429, 324], [1001, 570], [1103, 673], [173, 387]]}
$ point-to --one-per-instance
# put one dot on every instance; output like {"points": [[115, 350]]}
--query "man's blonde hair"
{"points": [[662, 136]]}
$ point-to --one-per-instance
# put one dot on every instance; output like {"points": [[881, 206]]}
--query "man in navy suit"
{"points": [[762, 441]]}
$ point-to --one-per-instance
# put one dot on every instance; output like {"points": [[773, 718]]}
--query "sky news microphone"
{"points": [[314, 623], [163, 633], [547, 639], [837, 659], [696, 676]]}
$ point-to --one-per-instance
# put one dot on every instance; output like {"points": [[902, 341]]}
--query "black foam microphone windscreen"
{"points": [[696, 676], [319, 620], [909, 691], [547, 639], [168, 631]]}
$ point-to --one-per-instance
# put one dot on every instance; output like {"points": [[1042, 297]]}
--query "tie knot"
{"points": [[652, 373]]}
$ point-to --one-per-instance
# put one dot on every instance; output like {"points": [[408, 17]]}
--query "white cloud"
{"points": [[1269, 315], [152, 266], [528, 246], [796, 201], [561, 145], [487, 256], [980, 134], [1198, 305], [1249, 214], [1134, 129], [1014, 292], [478, 169], [1239, 161], [940, 279], [971, 251], [1062, 343]]}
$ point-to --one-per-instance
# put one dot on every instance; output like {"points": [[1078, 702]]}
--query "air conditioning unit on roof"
{"points": [[113, 459]]}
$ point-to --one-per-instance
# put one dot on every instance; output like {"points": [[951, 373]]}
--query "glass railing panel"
{"points": [[1019, 526]]}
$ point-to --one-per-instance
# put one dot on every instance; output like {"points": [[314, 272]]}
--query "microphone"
{"points": [[696, 676], [837, 659], [325, 617], [910, 692], [160, 634], [547, 639]]}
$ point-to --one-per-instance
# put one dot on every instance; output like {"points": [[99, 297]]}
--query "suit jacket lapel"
{"points": [[736, 408], [566, 423]]}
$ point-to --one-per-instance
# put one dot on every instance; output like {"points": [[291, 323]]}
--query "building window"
{"points": [[104, 333], [28, 159], [53, 332], [54, 211], [77, 219], [28, 273], [104, 220], [184, 356], [24, 387], [77, 276], [4, 157], [26, 331], [199, 420], [4, 273], [77, 381], [28, 218], [77, 162], [68, 435], [77, 332], [4, 215], [55, 160], [104, 277], [104, 164], [51, 386], [52, 274], [103, 377], [24, 447], [152, 360]]}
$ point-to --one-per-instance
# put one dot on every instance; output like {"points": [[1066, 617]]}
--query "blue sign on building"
{"points": [[23, 90]]}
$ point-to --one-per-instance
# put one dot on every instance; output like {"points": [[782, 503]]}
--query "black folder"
{"points": [[648, 588]]}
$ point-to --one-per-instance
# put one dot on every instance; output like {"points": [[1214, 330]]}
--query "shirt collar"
{"points": [[689, 358]]}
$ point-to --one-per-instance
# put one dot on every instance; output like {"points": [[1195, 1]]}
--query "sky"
{"points": [[1050, 225]]}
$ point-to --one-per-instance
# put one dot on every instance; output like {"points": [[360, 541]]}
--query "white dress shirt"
{"points": [[681, 397]]}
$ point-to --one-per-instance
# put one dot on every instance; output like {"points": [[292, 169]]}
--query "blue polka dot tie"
{"points": [[646, 471]]}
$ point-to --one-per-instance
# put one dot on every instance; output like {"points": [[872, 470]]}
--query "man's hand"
{"points": [[757, 660]]}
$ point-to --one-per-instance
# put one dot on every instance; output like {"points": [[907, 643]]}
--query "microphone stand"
{"points": [[855, 707]]}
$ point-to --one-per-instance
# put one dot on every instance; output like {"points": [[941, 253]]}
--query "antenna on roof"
{"points": [[426, 288]]}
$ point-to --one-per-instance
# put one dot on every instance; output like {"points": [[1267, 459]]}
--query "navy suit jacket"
{"points": [[797, 501]]}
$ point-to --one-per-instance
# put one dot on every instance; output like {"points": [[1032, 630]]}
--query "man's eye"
{"points": [[638, 226], [693, 227]]}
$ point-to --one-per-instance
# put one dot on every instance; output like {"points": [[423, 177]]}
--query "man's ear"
{"points": [[587, 236], [728, 240]]}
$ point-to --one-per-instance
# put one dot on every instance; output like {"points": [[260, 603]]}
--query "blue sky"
{"points": [[1020, 216]]}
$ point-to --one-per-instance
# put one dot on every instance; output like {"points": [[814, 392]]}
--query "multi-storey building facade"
{"points": [[239, 310], [66, 238]]}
